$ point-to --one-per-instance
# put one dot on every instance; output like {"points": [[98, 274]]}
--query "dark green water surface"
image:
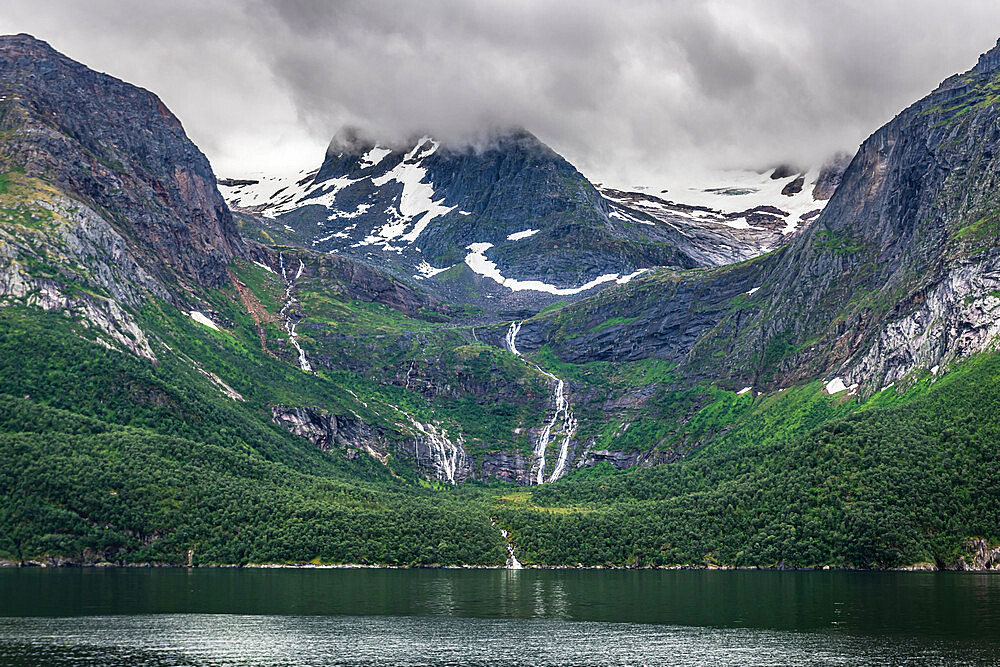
{"points": [[495, 617]]}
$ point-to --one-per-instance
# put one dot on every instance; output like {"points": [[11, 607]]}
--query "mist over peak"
{"points": [[631, 92]]}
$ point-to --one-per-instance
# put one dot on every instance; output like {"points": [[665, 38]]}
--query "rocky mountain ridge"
{"points": [[118, 148], [896, 276], [105, 199], [895, 279], [492, 224]]}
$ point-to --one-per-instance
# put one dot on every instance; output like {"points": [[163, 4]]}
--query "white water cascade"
{"points": [[561, 417], [512, 562], [289, 323], [446, 455]]}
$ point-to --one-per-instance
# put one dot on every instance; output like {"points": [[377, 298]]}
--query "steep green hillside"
{"points": [[105, 456], [168, 386], [900, 482]]}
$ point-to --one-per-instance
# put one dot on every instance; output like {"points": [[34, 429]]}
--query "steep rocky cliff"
{"points": [[118, 150], [509, 225], [897, 276]]}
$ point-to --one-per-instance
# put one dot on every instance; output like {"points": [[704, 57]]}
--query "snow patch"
{"points": [[373, 157], [753, 291], [201, 318], [341, 215], [417, 200], [275, 195], [729, 191], [427, 271], [477, 261], [744, 390], [517, 236], [835, 386], [265, 267]]}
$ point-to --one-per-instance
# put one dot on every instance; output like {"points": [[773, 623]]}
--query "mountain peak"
{"points": [[349, 140], [989, 61], [23, 44]]}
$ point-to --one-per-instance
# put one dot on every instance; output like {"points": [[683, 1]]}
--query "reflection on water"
{"points": [[494, 617], [223, 640]]}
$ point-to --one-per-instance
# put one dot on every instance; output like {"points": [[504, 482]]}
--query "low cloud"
{"points": [[629, 91]]}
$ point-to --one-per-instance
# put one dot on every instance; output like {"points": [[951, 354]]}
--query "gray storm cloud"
{"points": [[627, 90]]}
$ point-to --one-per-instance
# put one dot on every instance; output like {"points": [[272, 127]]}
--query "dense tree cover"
{"points": [[79, 487], [106, 456], [888, 486], [42, 360]]}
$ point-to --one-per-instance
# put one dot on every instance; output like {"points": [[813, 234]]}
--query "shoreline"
{"points": [[70, 564]]}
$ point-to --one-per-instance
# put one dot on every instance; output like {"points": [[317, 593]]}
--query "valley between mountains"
{"points": [[426, 354]]}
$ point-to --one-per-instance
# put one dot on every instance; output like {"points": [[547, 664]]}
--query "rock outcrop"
{"points": [[118, 149], [427, 446], [896, 276], [511, 467], [979, 556]]}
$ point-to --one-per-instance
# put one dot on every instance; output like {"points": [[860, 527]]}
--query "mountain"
{"points": [[119, 148], [179, 384], [110, 198], [510, 222], [894, 279], [750, 212]]}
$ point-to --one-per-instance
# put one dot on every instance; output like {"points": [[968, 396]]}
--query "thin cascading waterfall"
{"points": [[512, 562], [511, 338], [445, 454], [289, 323], [561, 416], [564, 417], [569, 430]]}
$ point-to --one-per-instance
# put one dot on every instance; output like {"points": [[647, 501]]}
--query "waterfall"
{"points": [[561, 416], [445, 454], [512, 562], [509, 339], [289, 323]]}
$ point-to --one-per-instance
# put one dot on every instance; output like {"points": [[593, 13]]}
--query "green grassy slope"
{"points": [[106, 456], [902, 481]]}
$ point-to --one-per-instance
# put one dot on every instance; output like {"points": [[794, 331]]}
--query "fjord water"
{"points": [[495, 617]]}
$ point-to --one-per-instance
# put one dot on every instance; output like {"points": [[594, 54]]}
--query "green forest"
{"points": [[107, 457]]}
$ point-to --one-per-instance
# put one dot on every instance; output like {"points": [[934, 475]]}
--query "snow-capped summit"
{"points": [[513, 217]]}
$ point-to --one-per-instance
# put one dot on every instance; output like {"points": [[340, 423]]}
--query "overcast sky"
{"points": [[628, 91]]}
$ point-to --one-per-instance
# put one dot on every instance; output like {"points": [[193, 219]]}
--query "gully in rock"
{"points": [[561, 417], [284, 314]]}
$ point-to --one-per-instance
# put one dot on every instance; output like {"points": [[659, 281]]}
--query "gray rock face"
{"points": [[956, 317], [672, 311], [314, 425], [830, 176], [989, 61], [980, 556], [507, 466], [430, 449], [625, 460], [81, 247], [897, 274], [119, 149]]}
